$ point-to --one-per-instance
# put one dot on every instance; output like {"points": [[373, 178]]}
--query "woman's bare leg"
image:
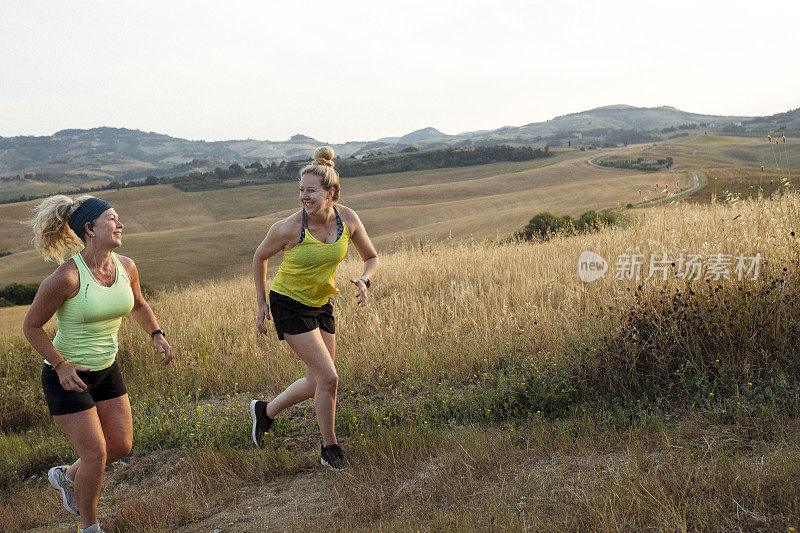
{"points": [[304, 388], [321, 374], [86, 435], [117, 425]]}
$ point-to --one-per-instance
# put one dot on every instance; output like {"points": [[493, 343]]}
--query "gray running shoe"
{"points": [[58, 479], [94, 528]]}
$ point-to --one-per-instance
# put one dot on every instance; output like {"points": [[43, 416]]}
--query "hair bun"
{"points": [[324, 156]]}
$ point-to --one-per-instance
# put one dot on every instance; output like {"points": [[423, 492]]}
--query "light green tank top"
{"points": [[306, 273], [89, 321]]}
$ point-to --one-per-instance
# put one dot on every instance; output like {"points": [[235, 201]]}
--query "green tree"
{"points": [[544, 225], [236, 170]]}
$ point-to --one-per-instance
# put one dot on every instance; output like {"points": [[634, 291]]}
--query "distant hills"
{"points": [[122, 154]]}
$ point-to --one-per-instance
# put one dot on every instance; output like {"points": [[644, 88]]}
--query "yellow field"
{"points": [[11, 321], [177, 237], [714, 151]]}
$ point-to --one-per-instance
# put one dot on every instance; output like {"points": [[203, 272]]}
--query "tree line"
{"points": [[638, 164], [407, 160], [371, 164]]}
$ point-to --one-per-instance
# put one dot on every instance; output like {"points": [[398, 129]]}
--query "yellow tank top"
{"points": [[307, 270], [89, 321]]}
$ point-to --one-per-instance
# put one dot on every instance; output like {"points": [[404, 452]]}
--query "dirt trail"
{"points": [[274, 506]]}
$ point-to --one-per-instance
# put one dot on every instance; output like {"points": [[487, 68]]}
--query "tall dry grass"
{"points": [[443, 309]]}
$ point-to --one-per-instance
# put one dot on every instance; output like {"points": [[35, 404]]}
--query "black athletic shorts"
{"points": [[103, 385], [291, 317]]}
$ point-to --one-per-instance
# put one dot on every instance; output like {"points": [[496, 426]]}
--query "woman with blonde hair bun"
{"points": [[313, 241], [89, 293]]}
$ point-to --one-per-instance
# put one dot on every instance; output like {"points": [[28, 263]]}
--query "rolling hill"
{"points": [[45, 163], [177, 236], [212, 233]]}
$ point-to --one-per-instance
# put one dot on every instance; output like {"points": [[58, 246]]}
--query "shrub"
{"points": [[18, 294]]}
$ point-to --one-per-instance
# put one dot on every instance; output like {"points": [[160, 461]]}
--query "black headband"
{"points": [[88, 210]]}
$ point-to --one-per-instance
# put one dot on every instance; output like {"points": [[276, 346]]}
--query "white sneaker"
{"points": [[58, 479]]}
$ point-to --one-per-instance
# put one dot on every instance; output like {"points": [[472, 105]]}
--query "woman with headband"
{"points": [[89, 293], [314, 242]]}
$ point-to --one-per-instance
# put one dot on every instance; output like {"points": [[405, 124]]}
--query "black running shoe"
{"points": [[332, 457], [261, 422]]}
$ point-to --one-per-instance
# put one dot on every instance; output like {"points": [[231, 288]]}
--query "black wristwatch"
{"points": [[156, 332], [366, 281]]}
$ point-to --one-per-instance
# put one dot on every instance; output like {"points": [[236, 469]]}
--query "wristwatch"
{"points": [[366, 281], [156, 332]]}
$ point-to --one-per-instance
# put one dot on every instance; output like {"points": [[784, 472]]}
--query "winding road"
{"points": [[595, 162]]}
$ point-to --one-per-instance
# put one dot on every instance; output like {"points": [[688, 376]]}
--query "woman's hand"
{"points": [[161, 344], [263, 314], [68, 376], [361, 295]]}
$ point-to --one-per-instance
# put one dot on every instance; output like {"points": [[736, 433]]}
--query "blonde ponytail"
{"points": [[323, 167], [52, 236]]}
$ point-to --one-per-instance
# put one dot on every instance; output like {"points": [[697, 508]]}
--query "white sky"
{"points": [[346, 70]]}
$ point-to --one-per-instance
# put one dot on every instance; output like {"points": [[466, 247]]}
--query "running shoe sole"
{"points": [[326, 463], [255, 422]]}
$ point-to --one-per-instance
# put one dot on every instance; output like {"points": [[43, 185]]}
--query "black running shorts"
{"points": [[291, 317], [103, 385]]}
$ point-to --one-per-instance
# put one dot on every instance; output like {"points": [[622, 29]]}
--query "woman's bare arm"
{"points": [[278, 237], [142, 312], [57, 287], [365, 248]]}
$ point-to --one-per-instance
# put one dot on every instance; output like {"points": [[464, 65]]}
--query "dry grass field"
{"points": [[732, 165], [484, 388], [176, 237]]}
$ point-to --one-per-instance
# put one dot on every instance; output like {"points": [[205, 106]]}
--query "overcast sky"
{"points": [[347, 70]]}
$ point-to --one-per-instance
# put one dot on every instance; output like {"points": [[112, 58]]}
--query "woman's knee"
{"points": [[95, 454], [328, 381], [118, 448]]}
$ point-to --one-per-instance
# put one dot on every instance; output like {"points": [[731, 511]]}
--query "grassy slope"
{"points": [[495, 391], [213, 233]]}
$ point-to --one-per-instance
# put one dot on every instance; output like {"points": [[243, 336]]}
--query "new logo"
{"points": [[591, 266]]}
